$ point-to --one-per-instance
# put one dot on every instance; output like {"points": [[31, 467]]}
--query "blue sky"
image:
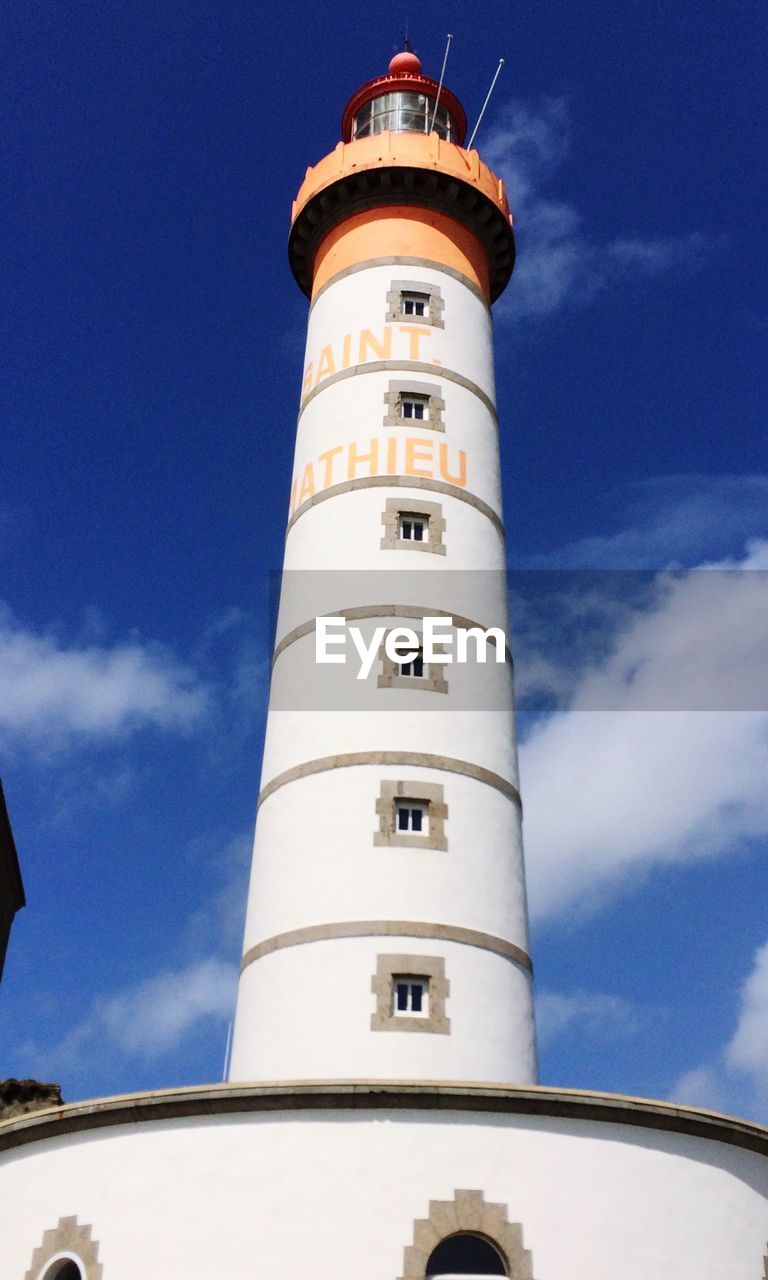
{"points": [[151, 359]]}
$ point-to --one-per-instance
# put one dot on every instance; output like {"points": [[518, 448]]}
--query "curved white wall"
{"points": [[334, 1195]]}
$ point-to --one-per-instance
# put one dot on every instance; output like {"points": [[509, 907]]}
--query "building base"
{"points": [[345, 1180]]}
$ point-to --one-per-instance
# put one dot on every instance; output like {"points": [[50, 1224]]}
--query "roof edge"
{"points": [[303, 1095]]}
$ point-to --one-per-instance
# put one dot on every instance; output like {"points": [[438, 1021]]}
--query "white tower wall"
{"points": [[319, 880]]}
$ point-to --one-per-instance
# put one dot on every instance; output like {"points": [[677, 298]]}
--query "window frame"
{"points": [[435, 309], [431, 795], [426, 394], [415, 520], [425, 968], [396, 508], [431, 680], [54, 1267], [403, 111], [411, 982], [412, 817], [407, 668], [68, 1241], [412, 298], [408, 405]]}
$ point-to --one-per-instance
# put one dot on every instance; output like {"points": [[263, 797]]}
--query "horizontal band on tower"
{"points": [[377, 611], [399, 482], [403, 366], [396, 260], [414, 759], [389, 929]]}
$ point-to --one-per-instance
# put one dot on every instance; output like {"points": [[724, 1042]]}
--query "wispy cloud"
{"points": [[559, 263], [612, 794], [51, 692], [747, 1052], [146, 1021], [154, 1017], [672, 521], [218, 922], [737, 1078], [594, 1015]]}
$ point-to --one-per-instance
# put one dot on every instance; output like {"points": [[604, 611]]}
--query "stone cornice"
{"points": [[375, 1095]]}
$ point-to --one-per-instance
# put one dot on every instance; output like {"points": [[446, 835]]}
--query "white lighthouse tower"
{"points": [[382, 1118], [386, 934]]}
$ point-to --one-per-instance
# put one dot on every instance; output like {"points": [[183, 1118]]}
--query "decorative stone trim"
{"points": [[432, 681], [432, 293], [468, 1212], [401, 366], [393, 416], [397, 261], [438, 989], [397, 507], [365, 1095], [69, 1239], [431, 794], [389, 929], [418, 759], [398, 482]]}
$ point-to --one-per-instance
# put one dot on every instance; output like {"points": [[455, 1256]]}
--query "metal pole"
{"points": [[485, 104], [226, 1052], [440, 86]]}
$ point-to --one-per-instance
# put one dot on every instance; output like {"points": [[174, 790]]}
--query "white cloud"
{"points": [[218, 922], [701, 1087], [50, 692], [594, 1014], [558, 263], [153, 1018], [146, 1021], [673, 521], [737, 1079], [610, 794], [748, 1050]]}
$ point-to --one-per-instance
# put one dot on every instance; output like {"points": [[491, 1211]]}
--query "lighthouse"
{"points": [[386, 933], [382, 1116]]}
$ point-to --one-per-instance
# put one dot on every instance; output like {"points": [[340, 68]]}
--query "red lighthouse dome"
{"points": [[404, 101]]}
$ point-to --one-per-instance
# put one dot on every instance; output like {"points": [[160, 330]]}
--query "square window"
{"points": [[410, 996], [411, 815], [409, 671], [406, 403], [418, 300], [414, 304], [414, 407], [413, 667], [413, 528], [411, 993]]}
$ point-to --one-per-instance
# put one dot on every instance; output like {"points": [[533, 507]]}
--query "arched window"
{"points": [[64, 1269], [476, 1239], [465, 1254], [67, 1251]]}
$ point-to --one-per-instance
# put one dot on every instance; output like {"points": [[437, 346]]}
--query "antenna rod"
{"points": [[440, 86], [485, 104], [226, 1052]]}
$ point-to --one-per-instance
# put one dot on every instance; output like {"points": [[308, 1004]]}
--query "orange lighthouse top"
{"points": [[400, 185]]}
